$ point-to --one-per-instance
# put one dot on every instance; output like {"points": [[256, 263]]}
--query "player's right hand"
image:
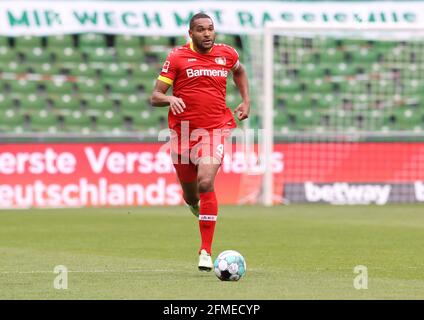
{"points": [[177, 105]]}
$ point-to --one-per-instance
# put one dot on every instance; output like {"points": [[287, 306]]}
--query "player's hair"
{"points": [[199, 15]]}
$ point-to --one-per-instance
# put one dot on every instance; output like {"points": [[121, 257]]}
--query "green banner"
{"points": [[171, 18]]}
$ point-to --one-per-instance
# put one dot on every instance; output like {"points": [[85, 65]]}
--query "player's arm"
{"points": [[240, 79], [159, 98]]}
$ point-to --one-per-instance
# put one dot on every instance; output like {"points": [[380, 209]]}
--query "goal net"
{"points": [[345, 105]]}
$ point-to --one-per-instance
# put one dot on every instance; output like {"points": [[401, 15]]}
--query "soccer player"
{"points": [[199, 118]]}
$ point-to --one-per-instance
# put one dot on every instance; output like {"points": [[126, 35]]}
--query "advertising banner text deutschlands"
{"points": [[97, 174]]}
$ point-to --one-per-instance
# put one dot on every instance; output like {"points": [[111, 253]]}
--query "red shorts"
{"points": [[186, 153]]}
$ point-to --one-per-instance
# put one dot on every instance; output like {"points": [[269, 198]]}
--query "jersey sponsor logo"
{"points": [[165, 67], [191, 59], [221, 60], [206, 72]]}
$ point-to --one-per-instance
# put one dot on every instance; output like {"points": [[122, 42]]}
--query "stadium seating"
{"points": [[76, 122], [348, 84], [84, 82]]}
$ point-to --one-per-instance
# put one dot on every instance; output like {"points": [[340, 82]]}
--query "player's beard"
{"points": [[202, 46]]}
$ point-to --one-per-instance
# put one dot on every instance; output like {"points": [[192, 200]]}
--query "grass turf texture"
{"points": [[292, 252]]}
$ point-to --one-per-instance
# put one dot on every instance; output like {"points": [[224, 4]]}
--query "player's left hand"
{"points": [[242, 111]]}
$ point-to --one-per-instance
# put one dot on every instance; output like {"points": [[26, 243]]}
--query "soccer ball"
{"points": [[229, 266]]}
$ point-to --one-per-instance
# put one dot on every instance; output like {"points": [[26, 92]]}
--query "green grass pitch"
{"points": [[292, 252]]}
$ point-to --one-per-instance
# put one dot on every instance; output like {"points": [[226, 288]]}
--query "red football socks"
{"points": [[207, 219]]}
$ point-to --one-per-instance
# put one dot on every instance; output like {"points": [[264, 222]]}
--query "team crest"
{"points": [[221, 60]]}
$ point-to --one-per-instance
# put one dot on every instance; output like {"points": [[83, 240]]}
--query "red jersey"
{"points": [[200, 80]]}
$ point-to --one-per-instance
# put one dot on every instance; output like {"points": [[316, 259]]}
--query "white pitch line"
{"points": [[92, 271]]}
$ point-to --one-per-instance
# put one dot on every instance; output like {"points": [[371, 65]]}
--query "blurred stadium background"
{"points": [[77, 130], [347, 92]]}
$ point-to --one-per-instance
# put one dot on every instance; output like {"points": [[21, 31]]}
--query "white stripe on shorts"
{"points": [[207, 217]]}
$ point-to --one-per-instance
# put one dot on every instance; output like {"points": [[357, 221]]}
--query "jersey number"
{"points": [[220, 150]]}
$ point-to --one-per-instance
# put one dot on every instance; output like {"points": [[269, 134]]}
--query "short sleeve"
{"points": [[234, 59], [169, 70]]}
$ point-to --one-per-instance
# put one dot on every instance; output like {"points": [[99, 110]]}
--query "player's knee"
{"points": [[191, 199], [205, 184]]}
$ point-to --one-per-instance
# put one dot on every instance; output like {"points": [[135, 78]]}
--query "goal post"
{"points": [[268, 120], [341, 85]]}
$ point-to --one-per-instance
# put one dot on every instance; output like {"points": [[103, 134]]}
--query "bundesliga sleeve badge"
{"points": [[166, 66]]}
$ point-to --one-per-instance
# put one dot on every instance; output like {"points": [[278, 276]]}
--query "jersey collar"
{"points": [[192, 48]]}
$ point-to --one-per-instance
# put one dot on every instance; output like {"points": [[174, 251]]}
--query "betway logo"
{"points": [[206, 72], [419, 190], [343, 193]]}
